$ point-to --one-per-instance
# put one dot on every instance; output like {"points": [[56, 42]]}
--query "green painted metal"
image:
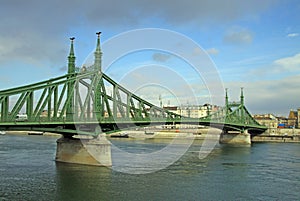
{"points": [[70, 93], [98, 110], [71, 58], [234, 116], [82, 102]]}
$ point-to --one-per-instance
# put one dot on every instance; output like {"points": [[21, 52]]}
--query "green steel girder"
{"points": [[82, 98], [62, 100], [61, 97], [233, 116]]}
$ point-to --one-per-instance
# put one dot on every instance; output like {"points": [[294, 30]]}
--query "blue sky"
{"points": [[253, 44]]}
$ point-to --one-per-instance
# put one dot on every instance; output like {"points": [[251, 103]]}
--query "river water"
{"points": [[264, 171]]}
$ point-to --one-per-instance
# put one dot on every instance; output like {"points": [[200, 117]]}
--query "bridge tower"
{"points": [[71, 58], [96, 151], [234, 137], [226, 102], [98, 55], [98, 103], [71, 73], [242, 97], [242, 105]]}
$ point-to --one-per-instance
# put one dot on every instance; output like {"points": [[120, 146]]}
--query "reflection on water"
{"points": [[78, 182], [263, 171], [147, 156]]}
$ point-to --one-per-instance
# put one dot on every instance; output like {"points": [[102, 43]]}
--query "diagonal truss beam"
{"points": [[72, 98], [94, 98]]}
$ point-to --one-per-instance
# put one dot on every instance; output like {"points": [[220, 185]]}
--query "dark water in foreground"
{"points": [[264, 171]]}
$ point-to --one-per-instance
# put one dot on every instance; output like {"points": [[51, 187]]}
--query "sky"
{"points": [[252, 44]]}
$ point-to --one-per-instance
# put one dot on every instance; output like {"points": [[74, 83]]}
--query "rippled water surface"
{"points": [[264, 171]]}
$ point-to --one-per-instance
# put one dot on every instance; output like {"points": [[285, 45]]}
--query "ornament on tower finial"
{"points": [[71, 58], [98, 54], [242, 96]]}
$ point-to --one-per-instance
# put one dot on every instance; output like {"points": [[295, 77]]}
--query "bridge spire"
{"points": [[226, 98], [242, 96], [71, 70], [71, 58], [98, 54]]}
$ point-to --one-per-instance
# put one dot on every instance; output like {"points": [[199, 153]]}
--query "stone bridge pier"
{"points": [[235, 137], [84, 151]]}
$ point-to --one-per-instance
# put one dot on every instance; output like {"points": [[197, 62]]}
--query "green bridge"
{"points": [[80, 103]]}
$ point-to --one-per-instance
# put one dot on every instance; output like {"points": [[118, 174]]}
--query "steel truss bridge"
{"points": [[89, 102]]}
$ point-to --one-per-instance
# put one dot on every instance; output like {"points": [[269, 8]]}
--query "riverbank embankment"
{"points": [[32, 133], [278, 135], [274, 135]]}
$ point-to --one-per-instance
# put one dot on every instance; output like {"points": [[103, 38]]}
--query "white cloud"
{"points": [[212, 51], [289, 64], [292, 35], [279, 68], [273, 88], [50, 22], [238, 36], [268, 96], [160, 57], [31, 49]]}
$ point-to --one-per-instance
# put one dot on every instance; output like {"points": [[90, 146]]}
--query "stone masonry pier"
{"points": [[84, 151]]}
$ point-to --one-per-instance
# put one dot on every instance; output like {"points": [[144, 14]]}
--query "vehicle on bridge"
{"points": [[21, 117]]}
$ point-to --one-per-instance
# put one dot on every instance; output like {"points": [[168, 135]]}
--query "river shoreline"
{"points": [[31, 133], [276, 138], [199, 134]]}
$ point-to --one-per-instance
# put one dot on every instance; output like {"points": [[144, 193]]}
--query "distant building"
{"points": [[268, 120], [271, 121], [293, 120], [298, 118], [193, 111], [44, 113], [282, 122]]}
